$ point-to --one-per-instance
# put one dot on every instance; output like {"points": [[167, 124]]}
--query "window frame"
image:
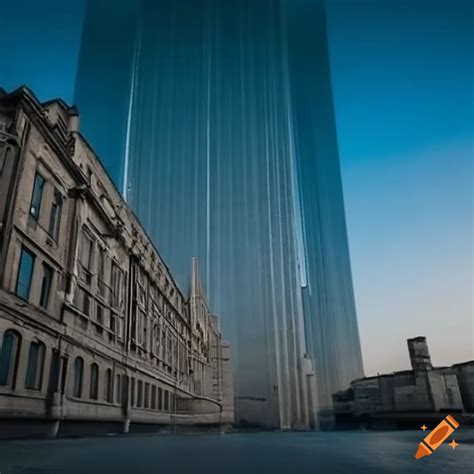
{"points": [[35, 366], [94, 381], [8, 378], [30, 253], [101, 272], [78, 380], [146, 401], [153, 397], [45, 294], [160, 399], [87, 268], [118, 391], [109, 386], [139, 393], [132, 391], [37, 195], [116, 284], [55, 215], [166, 401]]}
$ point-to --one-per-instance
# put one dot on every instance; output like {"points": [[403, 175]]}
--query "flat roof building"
{"points": [[422, 390]]}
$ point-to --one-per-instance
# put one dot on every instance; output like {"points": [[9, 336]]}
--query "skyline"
{"points": [[402, 234]]}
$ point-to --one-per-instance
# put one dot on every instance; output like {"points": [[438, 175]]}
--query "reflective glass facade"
{"points": [[222, 137]]}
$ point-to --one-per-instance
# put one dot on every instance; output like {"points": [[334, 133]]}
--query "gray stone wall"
{"points": [[465, 376], [93, 327]]}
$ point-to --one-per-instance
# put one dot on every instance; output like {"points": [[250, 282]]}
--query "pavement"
{"points": [[364, 452]]}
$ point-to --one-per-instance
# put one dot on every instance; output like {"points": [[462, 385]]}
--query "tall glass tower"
{"points": [[216, 120]]}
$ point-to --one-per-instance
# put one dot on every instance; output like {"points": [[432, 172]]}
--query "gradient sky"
{"points": [[403, 85]]}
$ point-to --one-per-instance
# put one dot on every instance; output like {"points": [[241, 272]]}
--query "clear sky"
{"points": [[403, 85]]}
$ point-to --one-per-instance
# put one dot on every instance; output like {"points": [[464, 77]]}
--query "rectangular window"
{"points": [[37, 196], [132, 391], [118, 389], [120, 327], [86, 303], [46, 285], [147, 395], [78, 374], [117, 286], [101, 272], [160, 398], [87, 253], [55, 217], [25, 273], [167, 400], [100, 314], [109, 387], [153, 397], [140, 393], [112, 323]]}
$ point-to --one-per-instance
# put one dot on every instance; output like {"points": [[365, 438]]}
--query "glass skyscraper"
{"points": [[216, 120]]}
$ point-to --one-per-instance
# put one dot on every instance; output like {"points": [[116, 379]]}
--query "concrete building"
{"points": [[95, 334], [422, 390], [465, 375]]}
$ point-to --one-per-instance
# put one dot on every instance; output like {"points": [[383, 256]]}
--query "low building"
{"points": [[465, 375], [408, 393], [95, 334]]}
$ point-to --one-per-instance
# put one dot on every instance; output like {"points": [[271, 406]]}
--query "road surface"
{"points": [[363, 452]]}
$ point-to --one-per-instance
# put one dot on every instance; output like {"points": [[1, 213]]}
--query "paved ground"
{"points": [[264, 453]]}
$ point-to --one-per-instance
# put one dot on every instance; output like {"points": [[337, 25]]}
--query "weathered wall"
{"points": [[112, 306]]}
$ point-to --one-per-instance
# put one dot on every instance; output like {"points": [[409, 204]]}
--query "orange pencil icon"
{"points": [[436, 438]]}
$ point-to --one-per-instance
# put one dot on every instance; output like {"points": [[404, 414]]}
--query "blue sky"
{"points": [[403, 90], [403, 86]]}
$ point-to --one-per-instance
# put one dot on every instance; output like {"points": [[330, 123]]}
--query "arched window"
{"points": [[94, 385], [109, 386], [9, 358], [78, 373], [34, 371]]}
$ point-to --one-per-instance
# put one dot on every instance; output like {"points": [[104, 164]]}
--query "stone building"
{"points": [[95, 334], [422, 390]]}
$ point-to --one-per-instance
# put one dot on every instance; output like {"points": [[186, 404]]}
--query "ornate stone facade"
{"points": [[95, 334]]}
